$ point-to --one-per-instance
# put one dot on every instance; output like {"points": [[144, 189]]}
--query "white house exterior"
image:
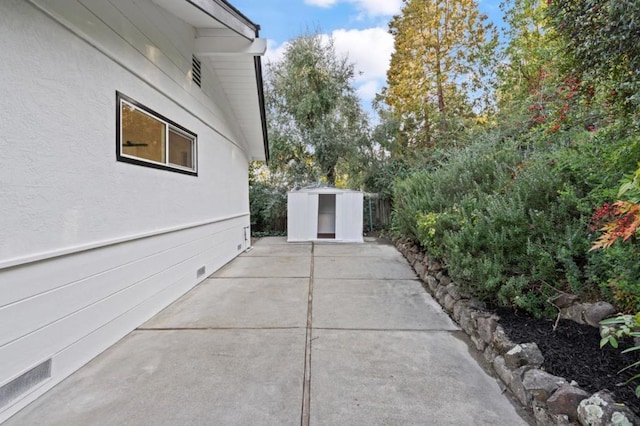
{"points": [[324, 214], [123, 183]]}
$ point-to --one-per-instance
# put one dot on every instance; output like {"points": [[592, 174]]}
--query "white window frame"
{"points": [[169, 125]]}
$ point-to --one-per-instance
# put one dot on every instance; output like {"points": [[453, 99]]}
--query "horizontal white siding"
{"points": [[70, 281], [156, 271]]}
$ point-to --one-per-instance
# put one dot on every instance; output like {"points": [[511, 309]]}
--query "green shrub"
{"points": [[268, 206], [510, 218], [431, 228], [455, 181]]}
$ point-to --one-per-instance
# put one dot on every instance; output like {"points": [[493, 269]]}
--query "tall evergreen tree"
{"points": [[435, 69]]}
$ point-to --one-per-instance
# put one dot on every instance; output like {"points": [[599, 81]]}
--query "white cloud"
{"points": [[321, 3], [378, 7], [274, 52], [366, 7], [367, 91], [370, 50]]}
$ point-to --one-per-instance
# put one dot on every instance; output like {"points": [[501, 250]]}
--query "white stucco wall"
{"points": [[58, 130], [91, 247]]}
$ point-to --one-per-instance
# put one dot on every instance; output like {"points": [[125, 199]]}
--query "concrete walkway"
{"points": [[321, 334]]}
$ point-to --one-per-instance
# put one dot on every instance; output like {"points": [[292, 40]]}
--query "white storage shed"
{"points": [[326, 214]]}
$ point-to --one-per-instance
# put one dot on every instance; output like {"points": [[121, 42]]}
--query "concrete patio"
{"points": [[319, 334]]}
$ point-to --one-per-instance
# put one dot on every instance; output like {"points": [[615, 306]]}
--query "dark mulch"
{"points": [[573, 351]]}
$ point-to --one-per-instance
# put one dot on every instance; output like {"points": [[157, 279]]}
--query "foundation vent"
{"points": [[200, 272], [196, 71], [25, 382]]}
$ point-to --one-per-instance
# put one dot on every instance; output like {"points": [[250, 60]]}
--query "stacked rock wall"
{"points": [[552, 400]]}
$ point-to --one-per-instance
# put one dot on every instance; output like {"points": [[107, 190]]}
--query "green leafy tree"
{"points": [[379, 166], [315, 118], [528, 76], [536, 89], [601, 39]]}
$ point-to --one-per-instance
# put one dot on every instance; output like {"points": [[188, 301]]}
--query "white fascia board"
{"points": [[222, 12], [211, 14]]}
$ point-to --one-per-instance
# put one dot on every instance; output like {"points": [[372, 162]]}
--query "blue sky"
{"points": [[358, 27]]}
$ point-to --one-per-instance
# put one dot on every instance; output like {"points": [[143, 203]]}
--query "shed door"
{"points": [[327, 216], [349, 224], [297, 205]]}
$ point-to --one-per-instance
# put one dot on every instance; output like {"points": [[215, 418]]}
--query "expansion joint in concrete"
{"points": [[404, 330], [214, 328], [306, 387]]}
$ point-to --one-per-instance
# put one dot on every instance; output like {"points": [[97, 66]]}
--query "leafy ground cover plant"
{"points": [[614, 329]]}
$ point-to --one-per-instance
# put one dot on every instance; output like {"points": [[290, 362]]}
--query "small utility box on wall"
{"points": [[324, 214]]}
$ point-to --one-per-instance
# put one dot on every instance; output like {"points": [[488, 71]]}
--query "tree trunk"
{"points": [[440, 90], [331, 176]]}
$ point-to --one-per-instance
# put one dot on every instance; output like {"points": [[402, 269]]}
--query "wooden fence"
{"points": [[377, 212]]}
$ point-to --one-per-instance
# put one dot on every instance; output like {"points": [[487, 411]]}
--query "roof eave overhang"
{"points": [[228, 16]]}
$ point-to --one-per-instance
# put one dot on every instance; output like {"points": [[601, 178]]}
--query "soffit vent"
{"points": [[25, 382], [196, 71]]}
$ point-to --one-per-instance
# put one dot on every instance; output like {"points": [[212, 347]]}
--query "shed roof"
{"points": [[229, 43], [324, 190]]}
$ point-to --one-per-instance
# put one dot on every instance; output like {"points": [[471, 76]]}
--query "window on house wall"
{"points": [[149, 139]]}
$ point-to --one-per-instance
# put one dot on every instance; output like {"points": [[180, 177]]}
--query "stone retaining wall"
{"points": [[552, 400]]}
